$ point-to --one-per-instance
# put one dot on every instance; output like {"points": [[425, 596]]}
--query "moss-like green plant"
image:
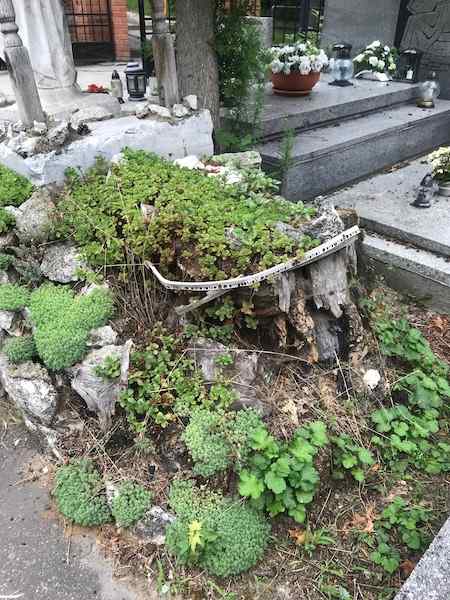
{"points": [[14, 188], [220, 534], [7, 220], [80, 494], [6, 260], [130, 504], [13, 297], [20, 349]]}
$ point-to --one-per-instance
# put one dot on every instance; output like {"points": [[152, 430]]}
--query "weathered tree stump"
{"points": [[164, 56]]}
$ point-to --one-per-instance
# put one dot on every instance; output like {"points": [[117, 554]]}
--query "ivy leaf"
{"points": [[250, 486], [275, 483]]}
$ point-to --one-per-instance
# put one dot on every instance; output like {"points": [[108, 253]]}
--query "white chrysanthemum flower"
{"points": [[381, 64], [287, 69], [302, 47], [276, 66], [387, 49], [373, 61], [375, 44]]}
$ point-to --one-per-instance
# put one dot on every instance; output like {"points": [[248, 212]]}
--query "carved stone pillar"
{"points": [[19, 67]]}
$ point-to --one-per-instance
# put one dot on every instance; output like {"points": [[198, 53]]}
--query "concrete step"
{"points": [[329, 104], [383, 203], [327, 158], [420, 273]]}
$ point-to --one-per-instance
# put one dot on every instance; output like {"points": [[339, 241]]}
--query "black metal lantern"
{"points": [[136, 81], [408, 65], [342, 69]]}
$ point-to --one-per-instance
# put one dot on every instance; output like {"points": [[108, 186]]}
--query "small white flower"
{"points": [[387, 49], [276, 66], [373, 61], [375, 44], [287, 69], [359, 58], [381, 65]]}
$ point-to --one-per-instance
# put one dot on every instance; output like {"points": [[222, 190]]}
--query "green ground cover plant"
{"points": [[80, 494], [13, 297], [221, 535], [218, 440], [7, 221], [130, 504], [192, 222], [350, 457], [14, 188], [281, 477], [6, 260], [20, 349]]}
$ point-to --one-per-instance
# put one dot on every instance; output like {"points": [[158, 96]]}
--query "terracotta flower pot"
{"points": [[294, 84]]}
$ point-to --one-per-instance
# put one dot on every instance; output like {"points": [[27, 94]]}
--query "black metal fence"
{"points": [[90, 28], [297, 19]]}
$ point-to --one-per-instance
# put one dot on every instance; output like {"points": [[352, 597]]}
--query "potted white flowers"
{"points": [[296, 68], [440, 163], [376, 62]]}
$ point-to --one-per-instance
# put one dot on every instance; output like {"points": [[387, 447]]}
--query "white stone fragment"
{"points": [[61, 263], [191, 102], [179, 111], [89, 115], [371, 379], [189, 162]]}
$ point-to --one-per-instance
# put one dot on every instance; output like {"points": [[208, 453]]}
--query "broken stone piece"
{"points": [[89, 115], [242, 160], [151, 529], [371, 379], [189, 162], [191, 102], [34, 217], [58, 134], [153, 110], [61, 262], [102, 336], [179, 111], [39, 128]]}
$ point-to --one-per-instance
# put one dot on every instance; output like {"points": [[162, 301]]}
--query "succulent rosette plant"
{"points": [[377, 58], [301, 57]]}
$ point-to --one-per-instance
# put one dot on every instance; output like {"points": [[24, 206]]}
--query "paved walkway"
{"points": [[36, 560]]}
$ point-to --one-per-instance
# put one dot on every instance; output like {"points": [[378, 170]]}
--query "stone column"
{"points": [[19, 67]]}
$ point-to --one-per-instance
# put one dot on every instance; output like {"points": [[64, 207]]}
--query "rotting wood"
{"points": [[164, 56]]}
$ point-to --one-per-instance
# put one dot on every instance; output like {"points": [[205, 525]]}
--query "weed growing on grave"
{"points": [[13, 297], [349, 457], [20, 349], [7, 221], [14, 188], [109, 369], [130, 504]]}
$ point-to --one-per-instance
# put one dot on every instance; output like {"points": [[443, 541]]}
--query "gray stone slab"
{"points": [[327, 158], [360, 22], [327, 104], [430, 580], [410, 271], [383, 203]]}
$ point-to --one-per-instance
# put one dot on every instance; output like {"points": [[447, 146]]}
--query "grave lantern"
{"points": [[136, 81], [342, 69], [408, 65], [429, 91]]}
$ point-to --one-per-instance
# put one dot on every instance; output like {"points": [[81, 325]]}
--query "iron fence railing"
{"points": [[90, 26], [297, 19]]}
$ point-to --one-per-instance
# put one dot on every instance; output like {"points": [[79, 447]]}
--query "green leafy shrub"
{"points": [[80, 495], [14, 189], [63, 322], [163, 382], [130, 504], [110, 369], [7, 221], [349, 457], [217, 440], [6, 260], [281, 477], [219, 534], [20, 349], [190, 226], [399, 524], [13, 297]]}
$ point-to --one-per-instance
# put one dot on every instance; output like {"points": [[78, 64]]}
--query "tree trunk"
{"points": [[196, 56], [164, 56]]}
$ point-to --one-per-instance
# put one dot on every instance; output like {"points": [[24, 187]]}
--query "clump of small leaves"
{"points": [[13, 297], [217, 439], [399, 524], [14, 188], [196, 222], [109, 369], [349, 457], [20, 349], [7, 220], [80, 494], [130, 504], [281, 477], [217, 533], [6, 260]]}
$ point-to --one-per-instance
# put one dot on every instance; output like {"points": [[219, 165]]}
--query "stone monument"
{"points": [[44, 31]]}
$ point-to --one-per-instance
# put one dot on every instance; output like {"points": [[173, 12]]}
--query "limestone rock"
{"points": [[7, 321], [153, 110], [242, 160], [29, 386], [326, 225], [103, 336], [191, 102], [101, 395], [189, 162], [39, 128], [179, 111], [58, 135], [371, 379], [33, 221], [148, 211], [7, 240], [243, 372], [61, 262], [89, 115], [151, 529]]}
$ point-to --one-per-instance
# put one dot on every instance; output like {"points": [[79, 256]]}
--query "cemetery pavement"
{"points": [[37, 561]]}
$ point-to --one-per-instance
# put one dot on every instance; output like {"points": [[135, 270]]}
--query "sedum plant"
{"points": [[20, 349], [80, 494], [130, 504], [14, 188], [217, 533], [13, 297], [7, 221]]}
